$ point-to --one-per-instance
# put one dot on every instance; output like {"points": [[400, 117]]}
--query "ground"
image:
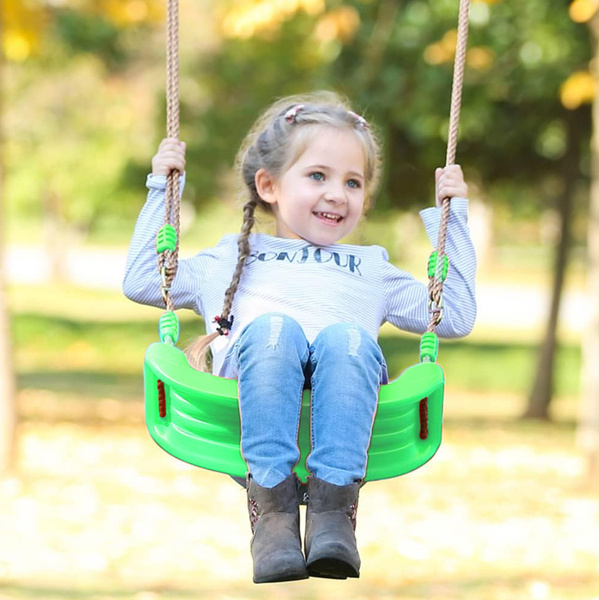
{"points": [[97, 511]]}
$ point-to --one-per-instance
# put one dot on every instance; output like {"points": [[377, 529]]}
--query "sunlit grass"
{"points": [[98, 511], [73, 330]]}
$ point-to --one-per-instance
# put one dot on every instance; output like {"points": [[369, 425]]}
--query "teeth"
{"points": [[330, 216]]}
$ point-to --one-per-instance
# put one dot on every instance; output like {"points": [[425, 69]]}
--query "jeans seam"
{"points": [[311, 411]]}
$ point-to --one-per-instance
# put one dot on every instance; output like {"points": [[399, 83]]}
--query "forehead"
{"points": [[326, 145]]}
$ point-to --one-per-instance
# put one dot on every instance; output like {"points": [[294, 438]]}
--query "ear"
{"points": [[266, 186]]}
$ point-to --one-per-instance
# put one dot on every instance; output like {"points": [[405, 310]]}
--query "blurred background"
{"points": [[91, 508]]}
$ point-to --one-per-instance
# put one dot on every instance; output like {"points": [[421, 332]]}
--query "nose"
{"points": [[335, 194]]}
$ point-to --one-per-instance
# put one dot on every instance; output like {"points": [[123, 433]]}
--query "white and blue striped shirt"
{"points": [[316, 286]]}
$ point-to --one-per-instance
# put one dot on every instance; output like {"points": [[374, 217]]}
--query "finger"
{"points": [[452, 192], [170, 144], [455, 172], [171, 155]]}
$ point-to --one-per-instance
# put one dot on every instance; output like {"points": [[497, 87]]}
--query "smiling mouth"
{"points": [[328, 217]]}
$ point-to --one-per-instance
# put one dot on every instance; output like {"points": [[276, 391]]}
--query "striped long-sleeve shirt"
{"points": [[317, 286]]}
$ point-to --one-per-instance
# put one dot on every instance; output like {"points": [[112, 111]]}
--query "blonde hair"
{"points": [[277, 139]]}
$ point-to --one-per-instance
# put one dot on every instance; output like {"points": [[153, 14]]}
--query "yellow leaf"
{"points": [[21, 26], [340, 24], [450, 40], [15, 46], [579, 88], [250, 17], [582, 11], [480, 58], [442, 51], [436, 54]]}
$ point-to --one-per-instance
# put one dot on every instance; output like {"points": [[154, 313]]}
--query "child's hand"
{"points": [[170, 156], [450, 183]]}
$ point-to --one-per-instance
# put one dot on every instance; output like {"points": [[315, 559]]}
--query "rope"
{"points": [[436, 283], [168, 260]]}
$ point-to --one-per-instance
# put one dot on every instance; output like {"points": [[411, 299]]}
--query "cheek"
{"points": [[359, 205]]}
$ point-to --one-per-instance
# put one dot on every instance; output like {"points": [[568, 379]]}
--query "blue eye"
{"points": [[354, 183], [317, 176]]}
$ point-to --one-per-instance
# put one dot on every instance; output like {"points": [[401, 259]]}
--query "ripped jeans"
{"points": [[274, 363]]}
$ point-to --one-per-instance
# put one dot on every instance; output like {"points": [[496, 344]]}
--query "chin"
{"points": [[322, 241]]}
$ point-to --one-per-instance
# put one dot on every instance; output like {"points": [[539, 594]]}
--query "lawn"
{"points": [[95, 511]]}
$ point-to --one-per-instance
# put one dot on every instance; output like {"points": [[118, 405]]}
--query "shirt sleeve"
{"points": [[407, 298], [142, 282]]}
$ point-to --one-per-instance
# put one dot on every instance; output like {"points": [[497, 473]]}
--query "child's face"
{"points": [[321, 196]]}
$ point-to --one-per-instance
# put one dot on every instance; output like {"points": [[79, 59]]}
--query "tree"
{"points": [[520, 132], [588, 423], [94, 33], [394, 60], [75, 104], [8, 411], [569, 171]]}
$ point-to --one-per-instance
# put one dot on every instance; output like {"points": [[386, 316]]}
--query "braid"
{"points": [[243, 245], [196, 352]]}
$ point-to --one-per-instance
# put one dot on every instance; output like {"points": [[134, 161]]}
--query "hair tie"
{"points": [[291, 114], [360, 120], [224, 325]]}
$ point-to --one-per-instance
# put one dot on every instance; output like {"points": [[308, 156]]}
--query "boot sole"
{"points": [[291, 575], [332, 568]]}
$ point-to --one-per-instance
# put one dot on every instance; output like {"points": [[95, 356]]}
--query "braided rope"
{"points": [[436, 283], [168, 260]]}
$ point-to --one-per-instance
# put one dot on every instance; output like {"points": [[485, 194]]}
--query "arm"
{"points": [[459, 297], [407, 299], [142, 282]]}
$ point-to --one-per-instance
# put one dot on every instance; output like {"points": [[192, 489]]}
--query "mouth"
{"points": [[328, 217]]}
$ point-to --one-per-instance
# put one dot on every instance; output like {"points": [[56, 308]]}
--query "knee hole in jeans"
{"points": [[276, 326]]}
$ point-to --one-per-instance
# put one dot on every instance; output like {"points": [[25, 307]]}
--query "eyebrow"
{"points": [[326, 168]]}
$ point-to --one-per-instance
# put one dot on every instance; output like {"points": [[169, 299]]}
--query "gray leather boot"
{"points": [[331, 549], [276, 545]]}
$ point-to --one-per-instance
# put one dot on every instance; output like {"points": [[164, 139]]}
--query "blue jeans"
{"points": [[344, 368]]}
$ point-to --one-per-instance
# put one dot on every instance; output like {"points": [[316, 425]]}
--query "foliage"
{"points": [[394, 60], [527, 74], [71, 105]]}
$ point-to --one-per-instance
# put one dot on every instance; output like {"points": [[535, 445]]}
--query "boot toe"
{"points": [[280, 566], [334, 561]]}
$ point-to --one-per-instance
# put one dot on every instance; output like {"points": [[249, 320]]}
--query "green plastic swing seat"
{"points": [[201, 423]]}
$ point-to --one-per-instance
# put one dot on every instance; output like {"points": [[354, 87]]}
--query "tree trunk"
{"points": [[588, 423], [8, 410], [542, 391]]}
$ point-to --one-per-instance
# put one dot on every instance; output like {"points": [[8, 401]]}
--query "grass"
{"points": [[93, 344], [95, 511], [98, 512]]}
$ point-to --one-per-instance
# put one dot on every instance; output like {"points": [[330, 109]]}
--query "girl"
{"points": [[307, 314]]}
